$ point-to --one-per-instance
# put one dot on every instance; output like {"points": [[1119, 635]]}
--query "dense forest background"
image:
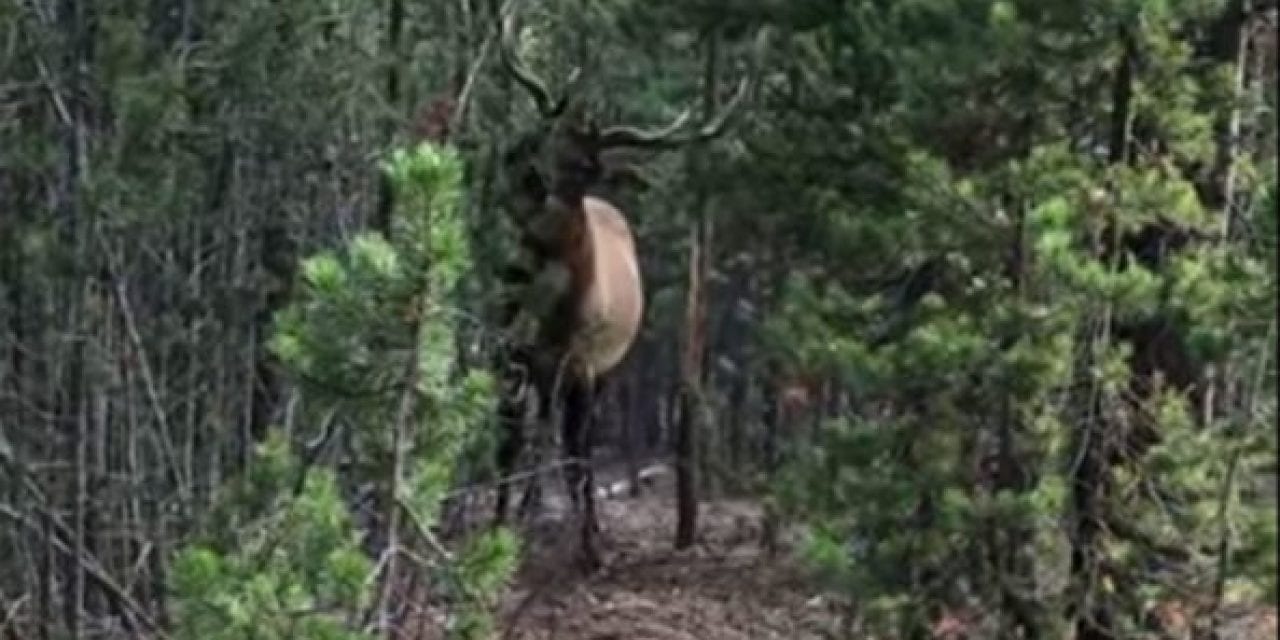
{"points": [[976, 297]]}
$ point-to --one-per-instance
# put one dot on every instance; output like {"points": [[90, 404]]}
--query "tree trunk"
{"points": [[772, 426], [395, 30], [693, 370], [690, 390], [1090, 482], [628, 390]]}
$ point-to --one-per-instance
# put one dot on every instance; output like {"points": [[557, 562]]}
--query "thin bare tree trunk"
{"points": [[693, 370], [690, 391], [395, 31], [1093, 440]]}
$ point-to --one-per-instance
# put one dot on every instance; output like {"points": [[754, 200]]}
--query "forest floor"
{"points": [[724, 587]]}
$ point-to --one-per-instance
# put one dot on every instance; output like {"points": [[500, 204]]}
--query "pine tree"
{"points": [[370, 338]]}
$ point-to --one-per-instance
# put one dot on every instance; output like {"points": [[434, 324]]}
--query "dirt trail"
{"points": [[724, 588]]}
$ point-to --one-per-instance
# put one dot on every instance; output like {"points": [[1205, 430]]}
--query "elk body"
{"points": [[579, 283]]}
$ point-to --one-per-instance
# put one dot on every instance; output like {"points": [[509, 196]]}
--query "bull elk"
{"points": [[579, 283]]}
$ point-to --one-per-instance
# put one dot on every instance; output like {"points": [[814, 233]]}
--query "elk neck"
{"points": [[577, 248], [574, 250]]}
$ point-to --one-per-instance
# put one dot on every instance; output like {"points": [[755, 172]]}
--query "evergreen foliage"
{"points": [[288, 565], [1017, 256], [955, 480]]}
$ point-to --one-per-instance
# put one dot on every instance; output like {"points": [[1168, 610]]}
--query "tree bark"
{"points": [[690, 390], [693, 368], [395, 30], [1090, 487]]}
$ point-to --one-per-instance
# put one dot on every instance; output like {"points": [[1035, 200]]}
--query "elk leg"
{"points": [[512, 442], [571, 440], [599, 389], [511, 404], [531, 502], [577, 427]]}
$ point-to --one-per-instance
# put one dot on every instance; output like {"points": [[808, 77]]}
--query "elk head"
{"points": [[565, 155]]}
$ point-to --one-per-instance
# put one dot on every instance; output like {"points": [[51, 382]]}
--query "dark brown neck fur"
{"points": [[576, 253]]}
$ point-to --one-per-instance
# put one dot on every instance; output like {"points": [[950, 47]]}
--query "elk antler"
{"points": [[666, 137], [548, 106]]}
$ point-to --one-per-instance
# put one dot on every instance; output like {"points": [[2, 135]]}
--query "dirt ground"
{"points": [[723, 588]]}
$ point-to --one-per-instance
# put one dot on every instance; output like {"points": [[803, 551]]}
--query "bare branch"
{"points": [[92, 567], [163, 430]]}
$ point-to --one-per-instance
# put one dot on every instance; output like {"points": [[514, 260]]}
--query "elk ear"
{"points": [[620, 172], [626, 176]]}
